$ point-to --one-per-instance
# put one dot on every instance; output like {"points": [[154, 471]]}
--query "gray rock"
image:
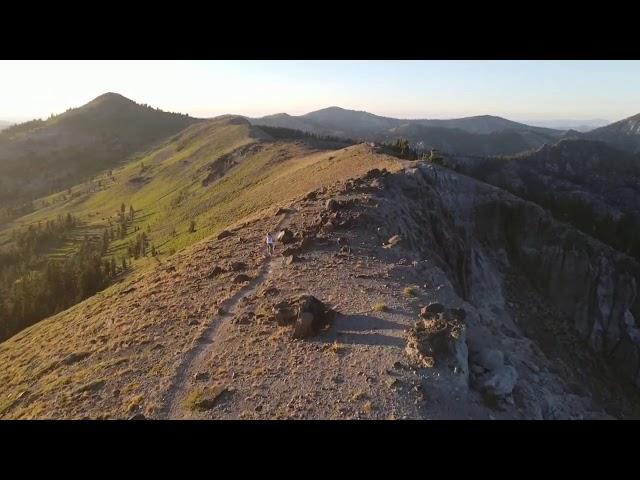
{"points": [[501, 382], [490, 359]]}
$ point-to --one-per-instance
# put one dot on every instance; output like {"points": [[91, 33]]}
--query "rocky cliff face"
{"points": [[480, 234], [589, 184]]}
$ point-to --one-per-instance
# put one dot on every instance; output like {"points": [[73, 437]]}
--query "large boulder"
{"points": [[312, 315], [285, 236], [500, 382], [490, 359], [432, 309]]}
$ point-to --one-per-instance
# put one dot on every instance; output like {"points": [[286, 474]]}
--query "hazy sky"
{"points": [[520, 90]]}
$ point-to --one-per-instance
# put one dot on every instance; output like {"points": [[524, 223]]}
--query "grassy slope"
{"points": [[38, 157], [276, 174], [171, 194]]}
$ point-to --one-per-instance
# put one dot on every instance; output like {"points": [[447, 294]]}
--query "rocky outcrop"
{"points": [[441, 337], [476, 233]]}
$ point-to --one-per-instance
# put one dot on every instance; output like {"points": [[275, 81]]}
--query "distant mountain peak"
{"points": [[110, 97]]}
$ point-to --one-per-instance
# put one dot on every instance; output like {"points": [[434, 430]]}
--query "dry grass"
{"points": [[410, 291], [368, 407], [134, 403], [380, 307], [203, 399], [337, 348], [192, 401]]}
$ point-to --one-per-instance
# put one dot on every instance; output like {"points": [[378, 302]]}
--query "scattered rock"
{"points": [[215, 271], [432, 309], [237, 266], [224, 234], [290, 259], [241, 278]]}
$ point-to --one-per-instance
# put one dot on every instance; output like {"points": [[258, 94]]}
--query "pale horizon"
{"points": [[524, 91]]}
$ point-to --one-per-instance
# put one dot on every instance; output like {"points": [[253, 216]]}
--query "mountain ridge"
{"points": [[480, 134]]}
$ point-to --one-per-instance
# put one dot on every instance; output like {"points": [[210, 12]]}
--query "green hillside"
{"points": [[210, 176], [43, 156]]}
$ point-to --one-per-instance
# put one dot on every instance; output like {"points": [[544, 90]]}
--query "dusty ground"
{"points": [[354, 369]]}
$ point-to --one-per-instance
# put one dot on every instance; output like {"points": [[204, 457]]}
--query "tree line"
{"points": [[34, 286], [400, 148], [290, 133]]}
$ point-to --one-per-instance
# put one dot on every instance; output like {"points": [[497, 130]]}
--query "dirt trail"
{"points": [[193, 359]]}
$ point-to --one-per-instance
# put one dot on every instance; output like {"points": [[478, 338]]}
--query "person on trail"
{"points": [[269, 244]]}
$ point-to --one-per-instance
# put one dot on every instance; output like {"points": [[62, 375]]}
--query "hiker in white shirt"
{"points": [[269, 244]]}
